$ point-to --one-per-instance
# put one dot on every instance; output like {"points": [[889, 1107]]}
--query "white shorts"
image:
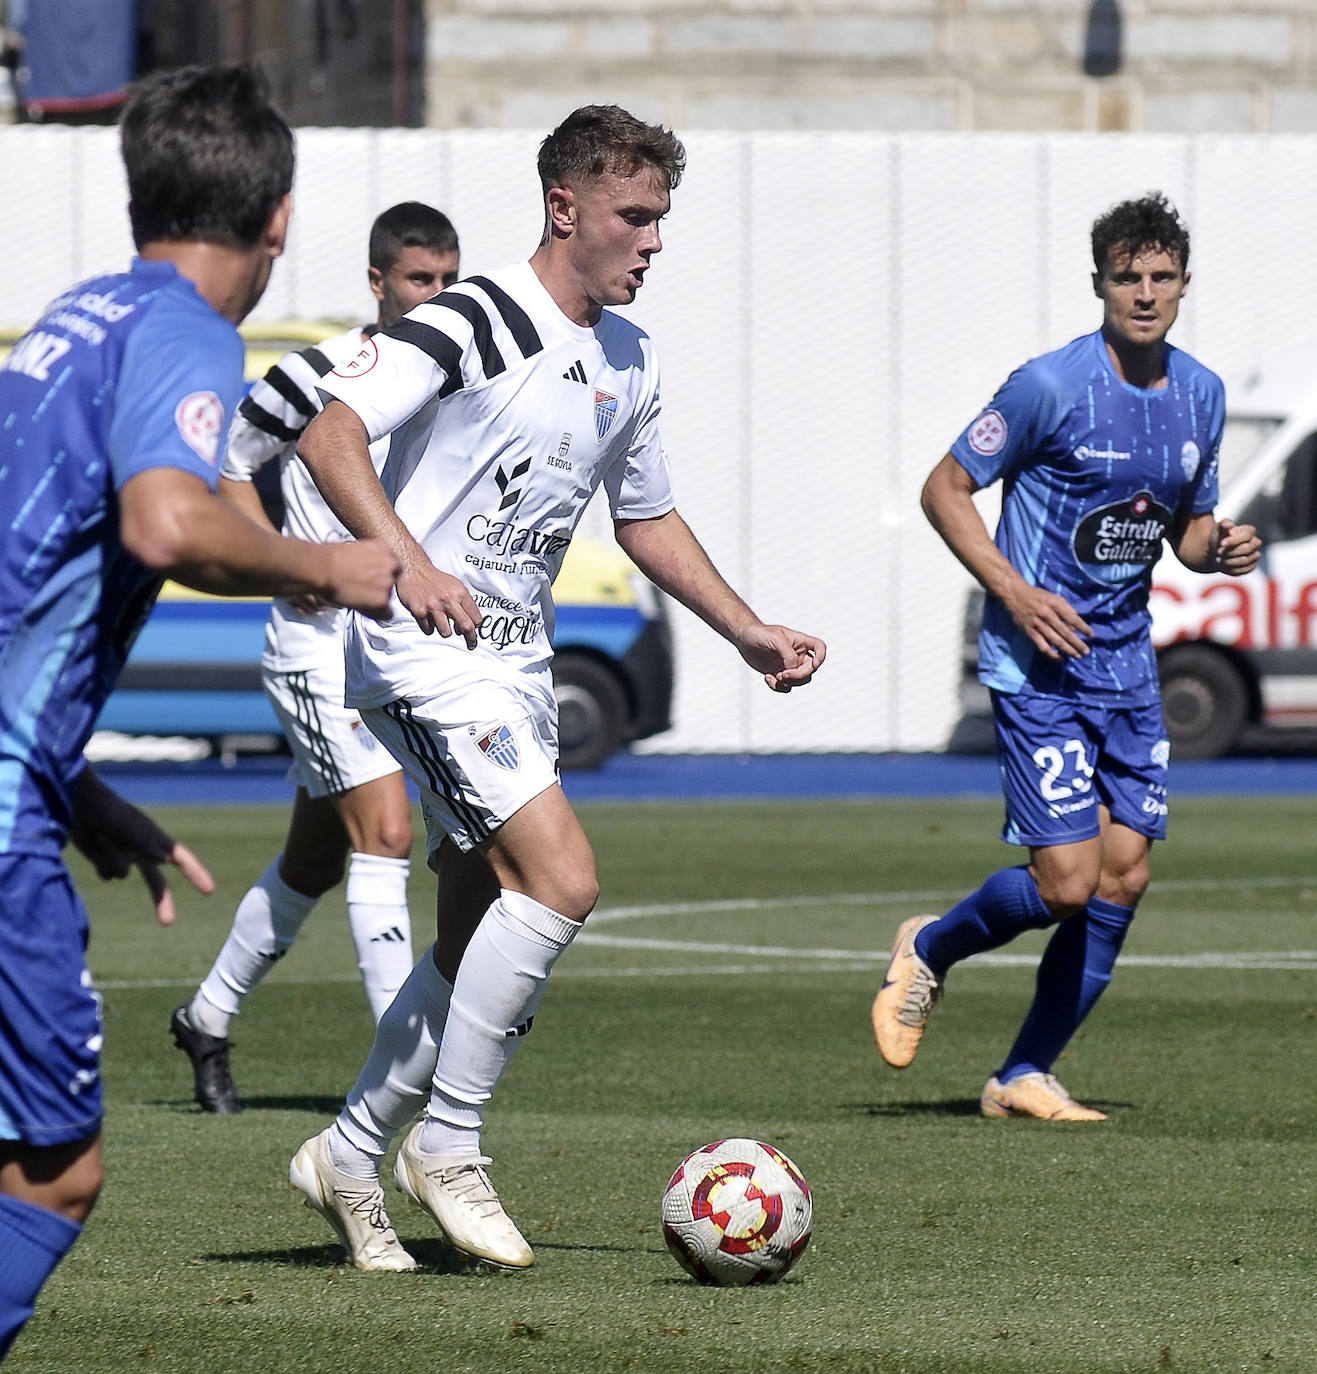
{"points": [[333, 751], [478, 754]]}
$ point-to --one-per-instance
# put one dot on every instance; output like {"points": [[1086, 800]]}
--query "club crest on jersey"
{"points": [[987, 434], [1189, 460], [361, 361], [605, 412], [199, 418], [499, 745]]}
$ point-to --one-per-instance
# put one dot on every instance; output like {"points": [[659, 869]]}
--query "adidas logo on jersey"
{"points": [[576, 373]]}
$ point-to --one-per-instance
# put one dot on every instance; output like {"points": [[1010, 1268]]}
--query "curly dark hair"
{"points": [[605, 138], [1140, 226]]}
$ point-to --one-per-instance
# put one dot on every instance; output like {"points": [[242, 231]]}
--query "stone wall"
{"points": [[1201, 66]]}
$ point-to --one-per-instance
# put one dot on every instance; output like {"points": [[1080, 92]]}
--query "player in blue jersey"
{"points": [[111, 413], [1104, 448]]}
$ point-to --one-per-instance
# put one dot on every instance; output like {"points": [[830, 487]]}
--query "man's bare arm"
{"points": [[1051, 623], [668, 553], [173, 523], [336, 451]]}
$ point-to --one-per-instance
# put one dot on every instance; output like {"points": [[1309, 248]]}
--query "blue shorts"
{"points": [[1060, 760], [50, 1017]]}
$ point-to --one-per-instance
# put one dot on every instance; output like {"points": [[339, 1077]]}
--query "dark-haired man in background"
{"points": [[351, 809], [112, 412], [1106, 447]]}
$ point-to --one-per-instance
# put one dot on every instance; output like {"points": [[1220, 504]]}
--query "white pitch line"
{"points": [[841, 960], [862, 958], [732, 905]]}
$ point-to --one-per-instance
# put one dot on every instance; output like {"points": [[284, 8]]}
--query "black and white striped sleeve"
{"points": [[468, 334], [271, 417]]}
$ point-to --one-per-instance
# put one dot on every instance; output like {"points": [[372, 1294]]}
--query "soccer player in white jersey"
{"points": [[510, 399], [351, 797], [1107, 449]]}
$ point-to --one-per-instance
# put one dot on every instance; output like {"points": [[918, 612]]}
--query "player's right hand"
{"points": [[440, 602], [1051, 622], [361, 576]]}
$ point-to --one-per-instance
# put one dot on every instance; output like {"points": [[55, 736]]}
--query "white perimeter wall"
{"points": [[830, 309]]}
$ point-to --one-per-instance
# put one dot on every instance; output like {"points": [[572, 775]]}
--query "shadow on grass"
{"points": [[432, 1255], [958, 1106], [952, 1106], [641, 1248], [327, 1107]]}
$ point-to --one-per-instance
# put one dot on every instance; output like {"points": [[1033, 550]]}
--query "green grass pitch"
{"points": [[723, 988]]}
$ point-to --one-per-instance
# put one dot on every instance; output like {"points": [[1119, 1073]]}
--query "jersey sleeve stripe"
{"points": [[491, 360], [281, 382], [435, 344], [518, 322], [318, 361], [261, 419]]}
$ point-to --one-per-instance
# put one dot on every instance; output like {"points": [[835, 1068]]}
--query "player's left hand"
{"points": [[1238, 548], [114, 837], [787, 658]]}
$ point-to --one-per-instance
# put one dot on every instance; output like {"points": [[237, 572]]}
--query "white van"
{"points": [[1238, 651]]}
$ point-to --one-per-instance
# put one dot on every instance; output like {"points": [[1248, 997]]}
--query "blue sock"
{"points": [[32, 1242], [1004, 906], [1074, 972]]}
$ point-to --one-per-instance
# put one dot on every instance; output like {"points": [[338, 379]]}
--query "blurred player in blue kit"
{"points": [[1105, 448], [112, 411]]}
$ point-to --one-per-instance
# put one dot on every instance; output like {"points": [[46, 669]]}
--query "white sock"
{"points": [[395, 1080], [381, 926], [264, 927], [499, 985]]}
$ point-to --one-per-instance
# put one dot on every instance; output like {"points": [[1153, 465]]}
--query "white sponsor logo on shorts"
{"points": [[199, 418]]}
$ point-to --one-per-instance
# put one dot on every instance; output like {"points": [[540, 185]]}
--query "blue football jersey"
{"points": [[121, 374], [1095, 473]]}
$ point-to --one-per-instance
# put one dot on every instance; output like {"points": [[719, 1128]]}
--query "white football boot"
{"points": [[354, 1207], [456, 1192]]}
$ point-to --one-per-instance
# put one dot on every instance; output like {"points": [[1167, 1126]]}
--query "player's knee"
{"points": [[1065, 894], [580, 892], [68, 1178], [391, 836], [1126, 887], [571, 890], [83, 1188]]}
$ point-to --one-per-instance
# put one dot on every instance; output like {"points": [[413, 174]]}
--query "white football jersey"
{"points": [[505, 418], [266, 426]]}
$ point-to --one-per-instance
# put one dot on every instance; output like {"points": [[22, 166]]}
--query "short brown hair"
{"points": [[605, 138], [208, 156]]}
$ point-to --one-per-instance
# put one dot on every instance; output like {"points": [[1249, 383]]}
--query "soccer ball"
{"points": [[737, 1211]]}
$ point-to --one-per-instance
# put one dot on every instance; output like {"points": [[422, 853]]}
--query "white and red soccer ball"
{"points": [[737, 1211]]}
